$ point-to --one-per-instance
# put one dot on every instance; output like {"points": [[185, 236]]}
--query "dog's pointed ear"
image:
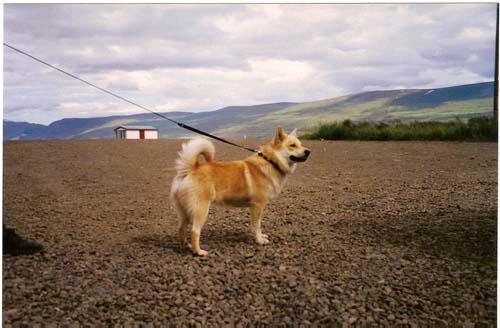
{"points": [[279, 136], [293, 133]]}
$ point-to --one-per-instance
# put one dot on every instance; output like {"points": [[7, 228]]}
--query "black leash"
{"points": [[182, 125]]}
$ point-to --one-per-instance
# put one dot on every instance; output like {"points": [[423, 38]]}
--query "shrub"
{"points": [[474, 129]]}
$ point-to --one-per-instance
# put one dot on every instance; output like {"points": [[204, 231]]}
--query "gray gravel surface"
{"points": [[365, 233]]}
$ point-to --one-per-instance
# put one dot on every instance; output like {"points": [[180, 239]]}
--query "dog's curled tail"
{"points": [[188, 156]]}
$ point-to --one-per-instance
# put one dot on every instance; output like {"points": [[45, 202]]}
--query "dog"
{"points": [[251, 182]]}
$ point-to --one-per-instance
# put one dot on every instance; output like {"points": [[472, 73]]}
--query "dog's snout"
{"points": [[307, 152]]}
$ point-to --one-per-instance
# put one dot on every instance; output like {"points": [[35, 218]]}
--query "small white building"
{"points": [[136, 132]]}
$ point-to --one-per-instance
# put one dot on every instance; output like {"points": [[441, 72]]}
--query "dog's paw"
{"points": [[262, 239], [202, 252], [186, 245]]}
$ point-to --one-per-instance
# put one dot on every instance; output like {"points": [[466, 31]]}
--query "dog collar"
{"points": [[276, 166]]}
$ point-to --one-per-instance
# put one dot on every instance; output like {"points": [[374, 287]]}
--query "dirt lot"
{"points": [[366, 233]]}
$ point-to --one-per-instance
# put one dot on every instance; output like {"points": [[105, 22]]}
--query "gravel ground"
{"points": [[365, 233]]}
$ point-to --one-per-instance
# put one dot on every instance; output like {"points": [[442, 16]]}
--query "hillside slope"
{"points": [[379, 106], [259, 121]]}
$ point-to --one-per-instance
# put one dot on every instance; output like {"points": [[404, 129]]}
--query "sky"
{"points": [[203, 57]]}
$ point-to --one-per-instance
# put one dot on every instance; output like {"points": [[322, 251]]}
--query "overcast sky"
{"points": [[204, 57]]}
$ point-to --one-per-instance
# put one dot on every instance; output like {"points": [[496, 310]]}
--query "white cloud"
{"points": [[203, 57], [451, 76]]}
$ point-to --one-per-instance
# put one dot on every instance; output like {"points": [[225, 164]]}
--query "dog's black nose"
{"points": [[307, 152]]}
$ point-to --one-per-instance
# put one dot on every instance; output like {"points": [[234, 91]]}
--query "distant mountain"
{"points": [[22, 130], [259, 121]]}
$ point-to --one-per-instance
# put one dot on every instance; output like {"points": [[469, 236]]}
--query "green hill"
{"points": [[405, 105], [439, 104]]}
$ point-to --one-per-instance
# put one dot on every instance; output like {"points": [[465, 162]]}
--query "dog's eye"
{"points": [[293, 145]]}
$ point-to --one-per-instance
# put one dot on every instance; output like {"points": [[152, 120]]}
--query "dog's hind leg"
{"points": [[256, 216], [199, 217], [183, 231], [183, 220]]}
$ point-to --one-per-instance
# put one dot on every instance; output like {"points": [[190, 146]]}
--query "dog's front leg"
{"points": [[256, 216]]}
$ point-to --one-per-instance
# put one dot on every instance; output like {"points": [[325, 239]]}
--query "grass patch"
{"points": [[474, 129]]}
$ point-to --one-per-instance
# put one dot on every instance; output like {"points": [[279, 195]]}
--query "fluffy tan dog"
{"points": [[251, 182]]}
